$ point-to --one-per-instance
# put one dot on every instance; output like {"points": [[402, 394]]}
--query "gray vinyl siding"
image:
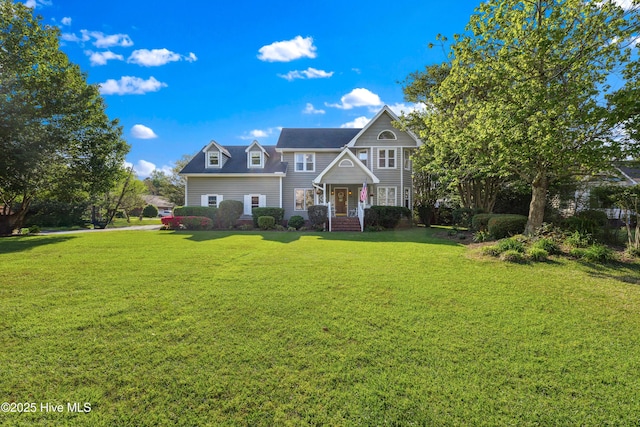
{"points": [[295, 179], [370, 137], [233, 188]]}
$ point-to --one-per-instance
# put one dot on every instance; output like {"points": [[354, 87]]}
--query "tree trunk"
{"points": [[539, 187]]}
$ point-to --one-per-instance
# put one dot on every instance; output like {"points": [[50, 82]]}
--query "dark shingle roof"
{"points": [[238, 162], [315, 137]]}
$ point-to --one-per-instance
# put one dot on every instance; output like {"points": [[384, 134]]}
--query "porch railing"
{"points": [[329, 214]]}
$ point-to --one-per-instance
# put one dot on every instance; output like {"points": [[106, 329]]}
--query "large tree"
{"points": [[53, 125], [537, 71]]}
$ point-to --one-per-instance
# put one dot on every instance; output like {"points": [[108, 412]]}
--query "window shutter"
{"points": [[262, 200], [247, 204], [219, 199], [204, 200]]}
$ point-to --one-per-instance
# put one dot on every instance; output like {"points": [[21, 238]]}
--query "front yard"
{"points": [[251, 328]]}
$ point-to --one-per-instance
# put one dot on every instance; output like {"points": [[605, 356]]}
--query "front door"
{"points": [[341, 200]]}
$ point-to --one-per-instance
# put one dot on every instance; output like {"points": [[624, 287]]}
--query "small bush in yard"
{"points": [[492, 250], [229, 211], [512, 256], [510, 244], [196, 223], [547, 245], [480, 222], [266, 222], [296, 221], [501, 226], [317, 216], [209, 212], [598, 253], [150, 211], [579, 240], [538, 254], [276, 213], [481, 236]]}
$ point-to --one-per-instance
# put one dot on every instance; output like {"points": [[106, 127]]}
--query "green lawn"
{"points": [[213, 328]]}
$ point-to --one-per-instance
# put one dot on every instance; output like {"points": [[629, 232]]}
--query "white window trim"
{"points": [[395, 137], [345, 163], [260, 154], [395, 158], [404, 199], [395, 192], [295, 161], [204, 199], [262, 202], [367, 161], [407, 159], [304, 199], [210, 155]]}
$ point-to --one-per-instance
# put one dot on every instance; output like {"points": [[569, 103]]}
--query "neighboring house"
{"points": [[307, 167]]}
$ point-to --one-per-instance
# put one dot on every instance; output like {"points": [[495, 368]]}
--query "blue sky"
{"points": [[179, 74]]}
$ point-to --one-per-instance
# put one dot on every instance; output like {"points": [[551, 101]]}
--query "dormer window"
{"points": [[213, 159], [255, 159], [387, 134]]}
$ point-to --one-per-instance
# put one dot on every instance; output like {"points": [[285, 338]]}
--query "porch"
{"points": [[345, 211]]}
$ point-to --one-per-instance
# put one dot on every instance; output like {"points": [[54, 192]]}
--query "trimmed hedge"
{"points": [[480, 222], [385, 216], [150, 211], [318, 216], [296, 222], [229, 211], [187, 222], [266, 222], [501, 226], [276, 213], [463, 217], [207, 211]]}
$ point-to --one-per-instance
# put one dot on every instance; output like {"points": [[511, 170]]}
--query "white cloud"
{"points": [[309, 109], [288, 50], [101, 58], [400, 108], [66, 20], [191, 57], [359, 97], [309, 73], [142, 132], [128, 85], [625, 4], [101, 40], [260, 133], [32, 4], [358, 123], [154, 57], [144, 168]]}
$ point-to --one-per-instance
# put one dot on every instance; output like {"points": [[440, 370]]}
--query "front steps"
{"points": [[343, 223]]}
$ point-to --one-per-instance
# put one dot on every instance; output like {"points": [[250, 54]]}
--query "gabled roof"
{"points": [[218, 146], [392, 115], [346, 153], [237, 163], [315, 138], [256, 144]]}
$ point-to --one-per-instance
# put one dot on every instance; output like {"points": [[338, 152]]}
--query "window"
{"points": [[387, 196], [255, 159], [363, 156], [345, 163], [407, 159], [386, 158], [214, 159], [387, 134], [254, 201], [211, 200], [303, 198], [305, 162], [407, 197]]}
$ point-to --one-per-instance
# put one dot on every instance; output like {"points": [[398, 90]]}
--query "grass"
{"points": [[268, 328]]}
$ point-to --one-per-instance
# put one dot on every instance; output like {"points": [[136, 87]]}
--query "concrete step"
{"points": [[345, 224]]}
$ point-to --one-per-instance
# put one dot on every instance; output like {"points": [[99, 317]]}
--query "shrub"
{"points": [[586, 222], [512, 256], [481, 236], [538, 254], [52, 213], [511, 244], [196, 223], [229, 211], [276, 213], [386, 216], [462, 217], [207, 211], [547, 245], [296, 221], [444, 216], [266, 222], [150, 211], [598, 253], [245, 227], [492, 250], [577, 252], [317, 216], [425, 214], [279, 227], [501, 226], [479, 222], [578, 240]]}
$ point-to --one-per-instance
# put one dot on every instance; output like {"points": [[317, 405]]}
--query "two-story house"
{"points": [[309, 166]]}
